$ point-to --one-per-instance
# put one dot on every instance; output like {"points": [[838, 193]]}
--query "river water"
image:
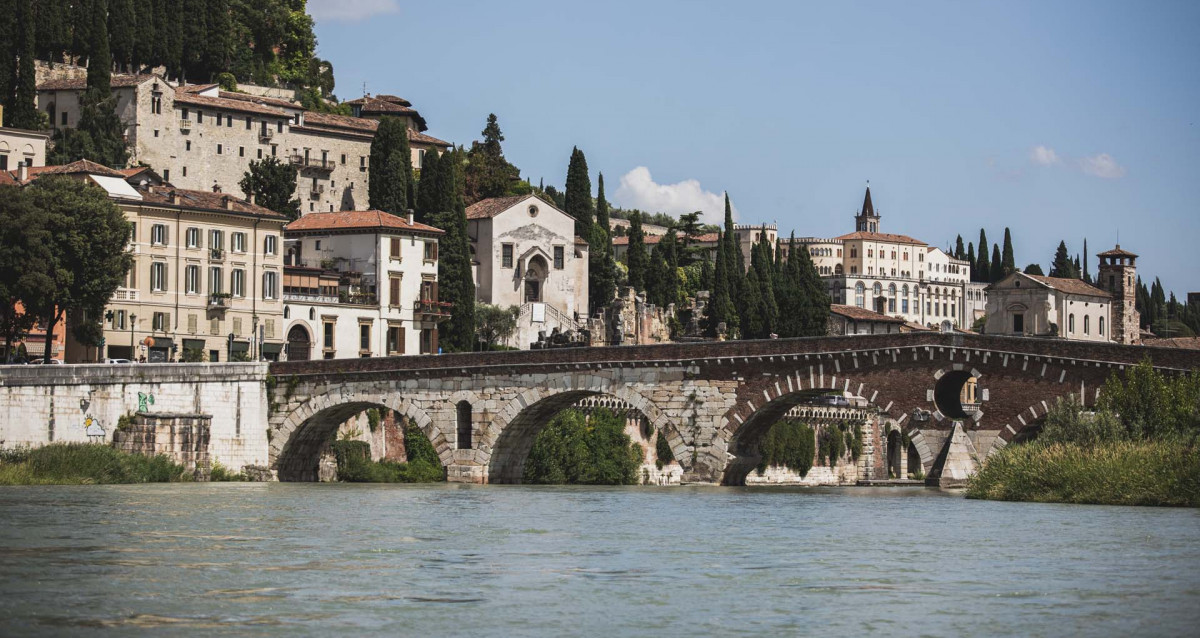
{"points": [[322, 560]]}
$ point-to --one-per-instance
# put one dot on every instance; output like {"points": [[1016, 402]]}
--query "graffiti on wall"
{"points": [[145, 401]]}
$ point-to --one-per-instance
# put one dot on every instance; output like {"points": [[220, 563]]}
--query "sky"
{"points": [[1059, 120]]}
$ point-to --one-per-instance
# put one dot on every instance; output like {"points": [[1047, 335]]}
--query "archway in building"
{"points": [[895, 444], [950, 390], [299, 343], [536, 272], [914, 462]]}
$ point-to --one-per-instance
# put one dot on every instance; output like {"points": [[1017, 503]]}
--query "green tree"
{"points": [[89, 235], [580, 449], [391, 167], [21, 105], [1034, 269], [1007, 262], [720, 309], [1085, 274], [804, 299], [997, 269], [121, 25], [272, 184], [488, 173], [1062, 266], [99, 68], [602, 275], [636, 257], [578, 199], [662, 282], [495, 325], [690, 228], [959, 251], [983, 268], [24, 264], [455, 283]]}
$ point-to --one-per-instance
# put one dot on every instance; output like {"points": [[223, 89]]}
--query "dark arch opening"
{"points": [[512, 447], [299, 344], [948, 393], [745, 443], [894, 446], [463, 418], [300, 458], [914, 461]]}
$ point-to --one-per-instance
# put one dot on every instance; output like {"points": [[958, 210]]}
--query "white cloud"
{"points": [[1102, 165], [350, 10], [639, 190], [1043, 156]]}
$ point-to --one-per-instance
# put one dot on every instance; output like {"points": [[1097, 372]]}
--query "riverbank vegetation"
{"points": [[85, 464], [1139, 447], [584, 449], [354, 464]]}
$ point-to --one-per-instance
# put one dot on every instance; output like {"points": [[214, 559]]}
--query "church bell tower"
{"points": [[1118, 276], [866, 221]]}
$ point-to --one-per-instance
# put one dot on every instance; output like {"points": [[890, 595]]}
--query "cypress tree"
{"points": [[1061, 266], [391, 167], [53, 29], [971, 260], [1008, 264], [1076, 270], [720, 304], [637, 258], [752, 310], [814, 308], [578, 202], [99, 68], [762, 261], [662, 286], [8, 60], [983, 270], [602, 271], [997, 268], [429, 190], [455, 285], [145, 32], [121, 23], [735, 266], [21, 111], [959, 253], [1086, 274]]}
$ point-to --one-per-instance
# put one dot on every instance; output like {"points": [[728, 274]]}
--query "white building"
{"points": [[527, 255], [1033, 305], [19, 147], [895, 274], [360, 284]]}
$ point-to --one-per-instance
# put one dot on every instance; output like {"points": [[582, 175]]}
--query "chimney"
{"points": [[175, 197], [228, 201], [23, 173], [216, 187], [410, 217], [251, 199]]}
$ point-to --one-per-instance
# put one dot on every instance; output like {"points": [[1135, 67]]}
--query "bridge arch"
{"points": [[296, 444], [510, 435]]}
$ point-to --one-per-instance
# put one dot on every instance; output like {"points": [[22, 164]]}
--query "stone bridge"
{"points": [[712, 401]]}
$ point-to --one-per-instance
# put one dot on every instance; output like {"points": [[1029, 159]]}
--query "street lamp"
{"points": [[132, 323]]}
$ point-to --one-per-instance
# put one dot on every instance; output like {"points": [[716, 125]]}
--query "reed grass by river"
{"points": [[83, 464]]}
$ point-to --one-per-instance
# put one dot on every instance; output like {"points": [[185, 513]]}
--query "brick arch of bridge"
{"points": [[296, 443], [511, 433], [762, 402]]}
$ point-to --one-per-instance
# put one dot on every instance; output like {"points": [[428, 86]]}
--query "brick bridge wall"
{"points": [[713, 401]]}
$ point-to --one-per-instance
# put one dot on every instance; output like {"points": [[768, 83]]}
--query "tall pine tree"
{"points": [[637, 260], [997, 267], [430, 189], [602, 272], [578, 203], [391, 167], [1007, 262], [720, 310], [1062, 266], [455, 285], [21, 107], [983, 267], [959, 253]]}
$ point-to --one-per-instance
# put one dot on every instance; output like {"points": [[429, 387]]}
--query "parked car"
{"points": [[116, 361], [37, 362]]}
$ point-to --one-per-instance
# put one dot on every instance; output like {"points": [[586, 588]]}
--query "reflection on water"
{"points": [[292, 559]]}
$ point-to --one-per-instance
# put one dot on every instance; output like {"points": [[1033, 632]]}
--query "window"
{"points": [[219, 147], [191, 280], [420, 158], [891, 298], [216, 240], [394, 291], [558, 257], [1070, 324], [237, 283], [158, 235], [279, 126], [859, 293], [329, 335], [343, 159], [260, 153], [249, 122], [463, 418], [159, 321], [270, 285], [239, 242], [199, 117], [394, 248], [158, 276], [187, 145], [118, 320], [431, 250], [185, 171], [269, 244], [362, 163], [318, 244], [64, 118], [241, 151], [228, 121], [166, 174], [364, 337], [506, 256], [215, 283], [1019, 323], [1087, 325], [155, 132], [1101, 327], [193, 237], [395, 339]]}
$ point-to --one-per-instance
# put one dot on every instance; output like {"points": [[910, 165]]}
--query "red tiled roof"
{"points": [[7, 179], [258, 99], [228, 104], [579, 241], [357, 220], [74, 168], [488, 208], [1116, 252], [119, 80], [706, 238], [1069, 286], [203, 200], [340, 121], [414, 136], [195, 88], [888, 237], [1187, 343], [862, 314]]}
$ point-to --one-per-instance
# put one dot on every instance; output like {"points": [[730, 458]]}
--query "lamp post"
{"points": [[132, 323]]}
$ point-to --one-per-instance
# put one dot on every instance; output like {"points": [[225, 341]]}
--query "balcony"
{"points": [[431, 309], [265, 134], [216, 254], [185, 126], [311, 163], [317, 192], [301, 297], [218, 301], [125, 294]]}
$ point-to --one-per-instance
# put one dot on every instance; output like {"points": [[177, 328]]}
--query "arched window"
{"points": [[312, 314], [904, 300], [463, 413], [891, 297], [1087, 325], [287, 312], [1101, 326], [859, 289], [1070, 324], [878, 289]]}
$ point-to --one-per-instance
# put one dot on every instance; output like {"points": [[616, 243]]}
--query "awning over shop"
{"points": [[241, 346], [193, 344], [272, 348], [163, 342]]}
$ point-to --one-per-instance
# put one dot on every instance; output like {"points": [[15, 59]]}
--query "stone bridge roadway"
{"points": [[713, 401]]}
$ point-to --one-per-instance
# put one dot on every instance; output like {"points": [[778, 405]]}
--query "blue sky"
{"points": [[1061, 120]]}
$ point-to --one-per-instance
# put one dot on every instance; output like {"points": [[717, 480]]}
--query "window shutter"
{"points": [[435, 250], [400, 340], [214, 326], [396, 247], [166, 322], [191, 324], [433, 348], [395, 283], [433, 295]]}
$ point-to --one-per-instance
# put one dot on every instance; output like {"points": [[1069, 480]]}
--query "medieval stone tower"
{"points": [[1118, 275], [866, 220]]}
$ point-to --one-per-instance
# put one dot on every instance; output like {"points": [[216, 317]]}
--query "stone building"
{"points": [[526, 254], [360, 284], [198, 136], [1118, 276], [895, 275], [852, 320], [1038, 306], [707, 243], [19, 147], [629, 321], [205, 276]]}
